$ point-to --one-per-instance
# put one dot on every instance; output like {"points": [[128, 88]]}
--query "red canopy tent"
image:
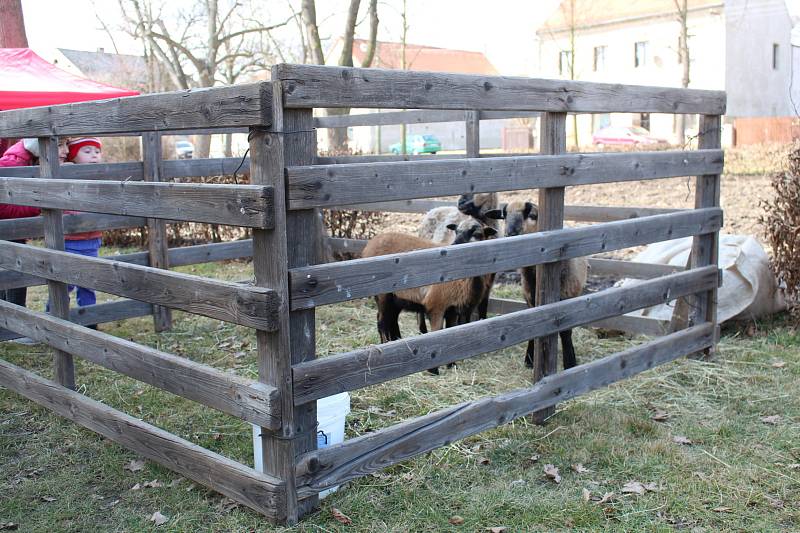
{"points": [[30, 81]]}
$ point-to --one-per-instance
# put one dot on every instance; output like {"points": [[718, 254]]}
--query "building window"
{"points": [[775, 56], [640, 54], [599, 58], [564, 62]]}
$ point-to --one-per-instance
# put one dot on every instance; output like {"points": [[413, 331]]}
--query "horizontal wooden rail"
{"points": [[425, 116], [376, 364], [328, 86], [186, 255], [384, 158], [630, 269], [239, 105], [255, 307], [334, 185], [324, 284], [237, 205], [258, 491], [357, 457], [202, 168], [98, 314], [33, 227], [250, 401], [635, 325]]}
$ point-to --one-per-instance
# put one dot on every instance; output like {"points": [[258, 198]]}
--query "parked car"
{"points": [[418, 144], [624, 135], [184, 149]]}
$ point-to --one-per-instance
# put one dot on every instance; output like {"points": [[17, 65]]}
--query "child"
{"points": [[82, 151]]}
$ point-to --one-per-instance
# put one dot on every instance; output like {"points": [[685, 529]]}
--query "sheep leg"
{"points": [[567, 349], [388, 313], [453, 318], [423, 328]]}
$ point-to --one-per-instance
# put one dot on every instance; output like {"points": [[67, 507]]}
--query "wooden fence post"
{"points": [[157, 241], [58, 294], [292, 243], [705, 248], [548, 276], [473, 134]]}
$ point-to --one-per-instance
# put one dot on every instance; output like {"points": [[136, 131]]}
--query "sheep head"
{"points": [[520, 217], [471, 231]]}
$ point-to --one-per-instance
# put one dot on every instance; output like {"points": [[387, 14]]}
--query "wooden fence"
{"points": [[289, 182]]}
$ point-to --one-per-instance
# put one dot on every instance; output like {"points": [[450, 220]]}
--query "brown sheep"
{"points": [[445, 304], [521, 218]]}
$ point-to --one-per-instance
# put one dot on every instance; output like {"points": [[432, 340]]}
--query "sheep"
{"points": [[521, 218], [436, 227], [448, 303]]}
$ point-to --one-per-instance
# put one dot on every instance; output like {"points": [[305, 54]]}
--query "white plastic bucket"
{"points": [[331, 412]]}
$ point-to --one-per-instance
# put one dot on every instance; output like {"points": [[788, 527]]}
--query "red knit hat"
{"points": [[76, 144]]}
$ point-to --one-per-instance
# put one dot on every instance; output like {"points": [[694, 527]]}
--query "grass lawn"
{"points": [[740, 472]]}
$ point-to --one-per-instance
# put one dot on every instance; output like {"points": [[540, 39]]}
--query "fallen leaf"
{"points": [[48, 499], [158, 518], [341, 517], [484, 460], [793, 466], [779, 364], [660, 416], [136, 487], [680, 439], [518, 483], [135, 465], [551, 471], [751, 330], [607, 498], [579, 468], [175, 482], [155, 484], [239, 355], [771, 420], [456, 520], [408, 476], [636, 487], [500, 529], [217, 436], [476, 448], [586, 494], [8, 526], [227, 505], [111, 504], [722, 510]]}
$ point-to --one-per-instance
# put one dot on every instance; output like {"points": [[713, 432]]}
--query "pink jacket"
{"points": [[17, 156]]}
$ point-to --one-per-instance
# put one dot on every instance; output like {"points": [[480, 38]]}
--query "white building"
{"points": [[741, 46]]}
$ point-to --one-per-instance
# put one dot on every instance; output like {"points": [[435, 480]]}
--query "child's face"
{"points": [[88, 154], [63, 150]]}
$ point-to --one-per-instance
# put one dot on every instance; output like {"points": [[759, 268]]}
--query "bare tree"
{"points": [[198, 43], [403, 66], [337, 137], [682, 15], [12, 25]]}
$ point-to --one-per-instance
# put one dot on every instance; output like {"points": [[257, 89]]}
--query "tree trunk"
{"points": [[337, 137], [202, 146], [683, 57], [373, 34], [308, 12], [228, 145], [12, 25]]}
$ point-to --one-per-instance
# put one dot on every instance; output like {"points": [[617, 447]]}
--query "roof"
{"points": [[596, 12], [30, 81], [109, 68], [388, 55]]}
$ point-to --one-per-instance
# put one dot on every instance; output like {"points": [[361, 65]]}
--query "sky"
{"points": [[502, 29]]}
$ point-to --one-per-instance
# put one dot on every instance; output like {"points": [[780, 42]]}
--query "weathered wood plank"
{"points": [[327, 86], [354, 246], [157, 240], [383, 158], [629, 269], [425, 116], [186, 255], [332, 185], [237, 205], [553, 134], [376, 364], [360, 456], [238, 105], [273, 253], [253, 402], [260, 492], [57, 293], [98, 314], [348, 280], [254, 307]]}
